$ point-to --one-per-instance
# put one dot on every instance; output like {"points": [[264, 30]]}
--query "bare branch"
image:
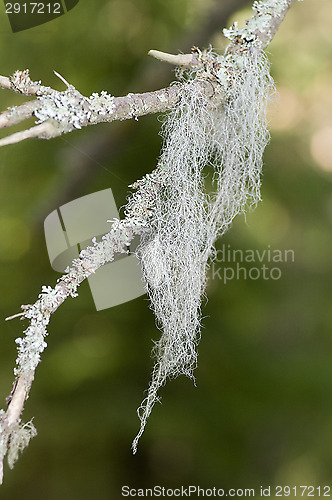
{"points": [[14, 316], [186, 60], [17, 114], [43, 131], [5, 82]]}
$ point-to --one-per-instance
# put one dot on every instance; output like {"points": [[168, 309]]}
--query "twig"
{"points": [[43, 131], [277, 16], [5, 82], [186, 60], [62, 78], [14, 316], [17, 114]]}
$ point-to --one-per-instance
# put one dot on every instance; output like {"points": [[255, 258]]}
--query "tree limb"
{"points": [[261, 27], [106, 143], [138, 212], [61, 112], [69, 110]]}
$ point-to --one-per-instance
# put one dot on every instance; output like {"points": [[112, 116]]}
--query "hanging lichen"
{"points": [[223, 142]]}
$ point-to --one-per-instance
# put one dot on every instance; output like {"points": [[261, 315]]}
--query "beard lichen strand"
{"points": [[240, 137], [186, 220]]}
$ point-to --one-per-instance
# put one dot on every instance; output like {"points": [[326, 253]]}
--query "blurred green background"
{"points": [[261, 413]]}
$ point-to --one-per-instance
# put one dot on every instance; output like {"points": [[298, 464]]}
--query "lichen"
{"points": [[22, 83], [226, 141], [20, 437], [102, 104], [68, 109], [260, 23]]}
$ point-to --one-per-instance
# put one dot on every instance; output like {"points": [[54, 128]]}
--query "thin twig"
{"points": [[5, 82], [43, 131], [186, 60], [61, 78], [15, 316], [17, 114]]}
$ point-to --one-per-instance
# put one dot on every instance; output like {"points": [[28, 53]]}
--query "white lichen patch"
{"points": [[31, 345], [232, 32], [270, 7], [102, 104], [260, 23], [22, 82], [69, 108], [142, 204], [2, 424]]}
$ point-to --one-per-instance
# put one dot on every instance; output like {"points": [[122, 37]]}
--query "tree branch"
{"points": [[261, 28], [107, 142], [138, 212], [69, 110], [61, 112]]}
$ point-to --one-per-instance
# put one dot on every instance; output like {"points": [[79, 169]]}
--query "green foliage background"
{"points": [[261, 413]]}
